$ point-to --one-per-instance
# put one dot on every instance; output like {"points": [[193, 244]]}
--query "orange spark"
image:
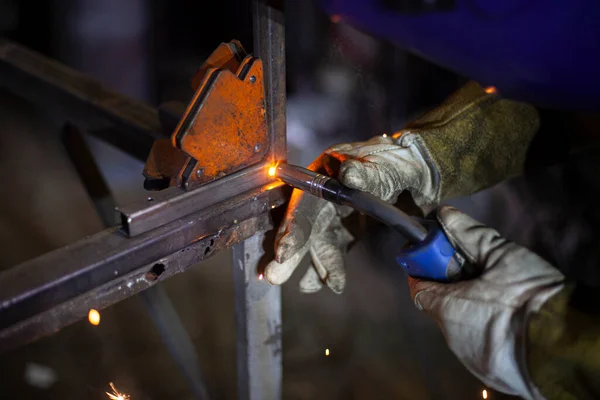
{"points": [[490, 90], [272, 170], [94, 317], [273, 185], [116, 395]]}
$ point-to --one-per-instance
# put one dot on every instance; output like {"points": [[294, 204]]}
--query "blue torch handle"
{"points": [[434, 258]]}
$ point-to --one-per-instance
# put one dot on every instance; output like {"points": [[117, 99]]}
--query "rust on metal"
{"points": [[224, 127], [163, 165], [227, 56]]}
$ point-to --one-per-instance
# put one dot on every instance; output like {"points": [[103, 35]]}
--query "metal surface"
{"points": [[257, 304], [227, 56], [171, 204], [269, 46], [258, 325], [223, 129], [163, 165], [40, 296], [66, 94], [301, 178]]}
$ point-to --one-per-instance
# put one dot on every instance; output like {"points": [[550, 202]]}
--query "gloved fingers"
{"points": [[296, 227], [277, 273], [485, 248], [417, 287], [473, 239], [414, 287], [467, 236], [306, 215], [327, 253], [296, 236], [370, 177], [311, 282], [358, 149], [327, 266], [379, 166], [334, 156], [329, 263]]}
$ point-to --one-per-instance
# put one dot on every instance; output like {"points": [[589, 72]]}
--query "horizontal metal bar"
{"points": [[127, 285], [174, 203], [58, 278], [62, 92]]}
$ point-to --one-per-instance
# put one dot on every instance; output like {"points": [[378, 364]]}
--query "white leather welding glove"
{"points": [[484, 319], [383, 166], [473, 140]]}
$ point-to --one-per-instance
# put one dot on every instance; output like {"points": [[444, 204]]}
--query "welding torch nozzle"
{"points": [[332, 190]]}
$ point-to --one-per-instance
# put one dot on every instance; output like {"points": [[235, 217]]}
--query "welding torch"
{"points": [[429, 254]]}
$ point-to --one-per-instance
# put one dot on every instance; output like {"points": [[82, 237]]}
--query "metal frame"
{"points": [[58, 288], [161, 235], [258, 324], [257, 304]]}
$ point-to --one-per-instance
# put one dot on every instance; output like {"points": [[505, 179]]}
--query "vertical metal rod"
{"points": [[258, 324], [269, 45], [258, 304]]}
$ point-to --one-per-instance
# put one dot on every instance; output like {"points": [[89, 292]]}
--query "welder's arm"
{"points": [[475, 140], [513, 326], [472, 141]]}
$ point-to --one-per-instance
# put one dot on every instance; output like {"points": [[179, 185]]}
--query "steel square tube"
{"points": [[170, 204], [32, 290]]}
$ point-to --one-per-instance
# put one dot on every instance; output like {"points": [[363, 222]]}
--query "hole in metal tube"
{"points": [[156, 271]]}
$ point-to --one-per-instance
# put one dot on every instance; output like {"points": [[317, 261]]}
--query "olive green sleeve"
{"points": [[476, 139], [563, 350]]}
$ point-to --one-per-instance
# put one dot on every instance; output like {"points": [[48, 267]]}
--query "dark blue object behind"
{"points": [[434, 258], [543, 52]]}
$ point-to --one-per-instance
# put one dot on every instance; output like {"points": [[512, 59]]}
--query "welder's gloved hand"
{"points": [[484, 320], [472, 141], [383, 166]]}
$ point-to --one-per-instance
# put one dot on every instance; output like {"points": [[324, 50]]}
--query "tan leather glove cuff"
{"points": [[476, 139]]}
